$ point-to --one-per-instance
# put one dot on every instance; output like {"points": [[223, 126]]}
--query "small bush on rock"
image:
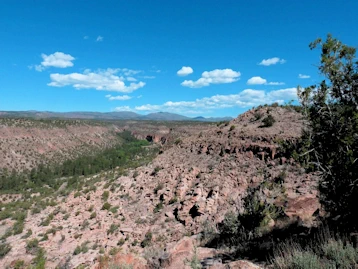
{"points": [[268, 121]]}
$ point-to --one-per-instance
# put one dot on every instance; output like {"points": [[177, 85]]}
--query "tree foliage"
{"points": [[121, 155], [332, 112]]}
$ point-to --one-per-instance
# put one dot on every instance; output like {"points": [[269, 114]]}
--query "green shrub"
{"points": [[19, 264], [173, 200], [114, 210], [194, 262], [147, 240], [229, 229], [250, 224], [106, 206], [232, 127], [18, 227], [324, 253], [113, 251], [77, 250], [5, 214], [155, 171], [93, 215], [275, 104], [83, 248], [32, 246], [85, 224], [105, 195], [112, 228], [208, 231], [158, 207], [40, 259], [341, 255], [121, 242], [44, 237], [28, 234], [258, 115], [4, 249], [268, 121], [20, 216], [292, 256], [47, 221], [159, 187]]}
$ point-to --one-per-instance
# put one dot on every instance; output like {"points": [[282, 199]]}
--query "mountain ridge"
{"points": [[118, 115]]}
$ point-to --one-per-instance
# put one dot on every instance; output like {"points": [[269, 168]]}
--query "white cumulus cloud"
{"points": [[246, 98], [99, 38], [217, 76], [118, 97], [256, 81], [272, 61], [261, 81], [102, 80], [57, 59], [303, 76], [185, 70]]}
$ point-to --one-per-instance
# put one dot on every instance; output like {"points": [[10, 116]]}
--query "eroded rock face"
{"points": [[199, 179]]}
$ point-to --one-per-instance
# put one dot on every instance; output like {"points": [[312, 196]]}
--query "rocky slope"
{"points": [[25, 143], [196, 181]]}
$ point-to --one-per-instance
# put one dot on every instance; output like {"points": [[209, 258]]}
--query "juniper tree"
{"points": [[332, 112]]}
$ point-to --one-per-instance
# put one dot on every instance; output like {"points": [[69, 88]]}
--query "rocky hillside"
{"points": [[25, 143], [141, 218]]}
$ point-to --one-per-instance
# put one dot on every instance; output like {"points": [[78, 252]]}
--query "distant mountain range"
{"points": [[121, 115]]}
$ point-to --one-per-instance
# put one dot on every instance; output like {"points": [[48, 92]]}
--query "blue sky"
{"points": [[210, 58]]}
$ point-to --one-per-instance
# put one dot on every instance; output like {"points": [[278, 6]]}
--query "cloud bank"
{"points": [[246, 98], [101, 80]]}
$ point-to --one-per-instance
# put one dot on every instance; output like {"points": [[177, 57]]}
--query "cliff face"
{"points": [[205, 174]]}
